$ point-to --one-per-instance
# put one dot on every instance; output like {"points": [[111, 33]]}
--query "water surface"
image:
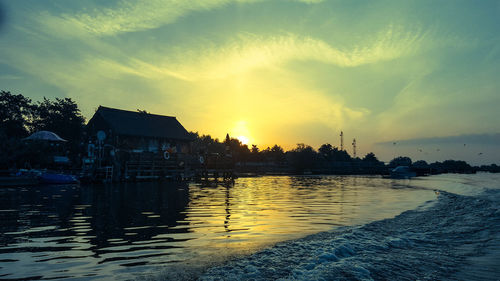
{"points": [[455, 237], [130, 230]]}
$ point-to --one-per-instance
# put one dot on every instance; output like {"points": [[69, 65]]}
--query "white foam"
{"points": [[426, 243]]}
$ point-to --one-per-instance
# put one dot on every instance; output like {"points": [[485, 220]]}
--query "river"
{"points": [[175, 230]]}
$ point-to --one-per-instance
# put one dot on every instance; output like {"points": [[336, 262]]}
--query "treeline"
{"points": [[20, 117], [327, 159], [447, 166], [302, 158], [493, 168]]}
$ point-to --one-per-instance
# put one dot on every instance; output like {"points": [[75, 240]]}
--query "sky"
{"points": [[417, 78]]}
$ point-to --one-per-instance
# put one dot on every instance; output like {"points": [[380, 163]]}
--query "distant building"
{"points": [[117, 137]]}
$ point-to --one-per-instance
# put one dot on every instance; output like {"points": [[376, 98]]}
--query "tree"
{"points": [[371, 158], [16, 111], [302, 157], [326, 150], [205, 144], [255, 149], [332, 153], [240, 151], [19, 117], [452, 166], [420, 164], [400, 161], [61, 116], [277, 154], [255, 154]]}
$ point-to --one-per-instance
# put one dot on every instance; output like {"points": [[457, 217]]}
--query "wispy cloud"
{"points": [[253, 66], [135, 15], [248, 52], [484, 139], [280, 65], [10, 77]]}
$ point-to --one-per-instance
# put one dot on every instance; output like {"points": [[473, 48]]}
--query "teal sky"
{"points": [[276, 71]]}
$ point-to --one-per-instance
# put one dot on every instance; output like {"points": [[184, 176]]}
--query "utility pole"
{"points": [[354, 148], [341, 140]]}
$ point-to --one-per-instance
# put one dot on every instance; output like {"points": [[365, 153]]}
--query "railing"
{"points": [[151, 169], [104, 173]]}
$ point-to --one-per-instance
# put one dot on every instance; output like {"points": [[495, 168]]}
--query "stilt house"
{"points": [[132, 142]]}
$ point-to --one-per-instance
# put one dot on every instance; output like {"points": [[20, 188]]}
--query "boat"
{"points": [[19, 178], [402, 172], [18, 181], [56, 178]]}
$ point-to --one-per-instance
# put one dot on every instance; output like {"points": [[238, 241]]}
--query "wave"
{"points": [[454, 238]]}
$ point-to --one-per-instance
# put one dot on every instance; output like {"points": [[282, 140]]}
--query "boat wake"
{"points": [[455, 238]]}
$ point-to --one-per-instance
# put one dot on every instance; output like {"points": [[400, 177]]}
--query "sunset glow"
{"points": [[275, 72], [243, 139], [241, 132], [250, 140]]}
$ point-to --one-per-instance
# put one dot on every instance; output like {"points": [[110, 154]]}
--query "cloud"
{"points": [[10, 77], [274, 104], [131, 16], [483, 139], [247, 52], [244, 71], [434, 104]]}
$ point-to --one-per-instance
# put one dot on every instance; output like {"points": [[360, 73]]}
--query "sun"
{"points": [[242, 132], [243, 139]]}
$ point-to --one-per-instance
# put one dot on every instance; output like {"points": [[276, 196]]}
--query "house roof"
{"points": [[45, 136], [132, 123]]}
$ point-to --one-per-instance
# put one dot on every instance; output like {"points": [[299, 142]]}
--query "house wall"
{"points": [[127, 153]]}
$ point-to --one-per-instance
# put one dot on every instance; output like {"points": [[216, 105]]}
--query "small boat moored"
{"points": [[20, 178], [55, 178], [18, 181]]}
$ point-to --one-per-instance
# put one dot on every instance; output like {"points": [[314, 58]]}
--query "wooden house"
{"points": [[136, 144]]}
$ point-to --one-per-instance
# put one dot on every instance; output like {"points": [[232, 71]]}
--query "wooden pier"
{"points": [[215, 174]]}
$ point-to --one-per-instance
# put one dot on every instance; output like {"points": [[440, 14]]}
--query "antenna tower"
{"points": [[354, 148], [341, 140]]}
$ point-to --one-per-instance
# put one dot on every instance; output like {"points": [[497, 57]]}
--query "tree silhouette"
{"points": [[400, 161], [20, 117], [370, 157], [332, 153], [275, 154], [61, 116], [16, 112], [420, 164], [302, 158]]}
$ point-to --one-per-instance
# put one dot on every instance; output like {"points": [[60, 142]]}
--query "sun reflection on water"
{"points": [[109, 229]]}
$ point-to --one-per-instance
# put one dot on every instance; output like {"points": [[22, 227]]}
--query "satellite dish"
{"points": [[101, 135]]}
